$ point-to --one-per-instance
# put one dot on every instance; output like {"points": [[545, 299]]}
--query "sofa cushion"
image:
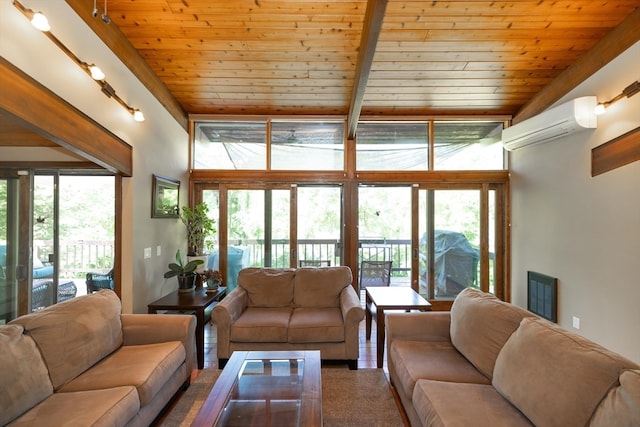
{"points": [[23, 374], [555, 377], [436, 360], [146, 367], [75, 334], [321, 286], [621, 407], [267, 287], [95, 408], [316, 325], [481, 324], [439, 403], [257, 324]]}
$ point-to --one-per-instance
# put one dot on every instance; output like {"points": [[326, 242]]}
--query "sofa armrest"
{"points": [[140, 329], [425, 326], [224, 314], [352, 311]]}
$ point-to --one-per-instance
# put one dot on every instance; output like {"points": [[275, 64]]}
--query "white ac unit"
{"points": [[565, 119]]}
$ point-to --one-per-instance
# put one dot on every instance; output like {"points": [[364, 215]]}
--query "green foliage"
{"points": [[199, 227], [178, 268]]}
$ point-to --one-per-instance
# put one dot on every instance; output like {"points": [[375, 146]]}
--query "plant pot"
{"points": [[186, 282]]}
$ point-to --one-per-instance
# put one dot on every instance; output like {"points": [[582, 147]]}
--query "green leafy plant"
{"points": [[199, 227], [178, 268]]}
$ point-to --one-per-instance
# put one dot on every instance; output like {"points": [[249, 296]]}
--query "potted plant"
{"points": [[212, 278], [186, 273], [199, 227]]}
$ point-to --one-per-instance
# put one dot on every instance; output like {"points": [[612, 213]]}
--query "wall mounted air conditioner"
{"points": [[565, 119]]}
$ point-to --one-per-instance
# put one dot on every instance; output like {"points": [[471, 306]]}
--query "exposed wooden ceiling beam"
{"points": [[608, 48], [122, 48], [39, 109], [370, 33]]}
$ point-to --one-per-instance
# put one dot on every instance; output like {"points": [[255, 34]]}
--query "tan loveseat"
{"points": [[309, 308], [489, 363], [83, 363]]}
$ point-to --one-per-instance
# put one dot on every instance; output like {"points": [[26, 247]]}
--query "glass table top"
{"points": [[266, 392]]}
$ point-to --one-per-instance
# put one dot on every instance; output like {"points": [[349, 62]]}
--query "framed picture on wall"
{"points": [[164, 197]]}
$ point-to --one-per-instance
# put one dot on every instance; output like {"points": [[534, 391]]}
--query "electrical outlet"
{"points": [[158, 250], [147, 253], [576, 322]]}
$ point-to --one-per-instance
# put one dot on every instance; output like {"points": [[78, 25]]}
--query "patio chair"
{"points": [[375, 273], [314, 263], [98, 281]]}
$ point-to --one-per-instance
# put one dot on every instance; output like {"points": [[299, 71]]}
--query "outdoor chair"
{"points": [[314, 263], [375, 273], [98, 281]]}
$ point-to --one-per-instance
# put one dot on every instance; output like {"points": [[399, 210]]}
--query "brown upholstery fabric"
{"points": [[554, 377], [440, 403], [261, 325], [480, 325], [437, 360], [316, 325], [75, 334], [267, 287], [95, 408], [146, 367], [23, 375], [320, 287], [621, 407]]}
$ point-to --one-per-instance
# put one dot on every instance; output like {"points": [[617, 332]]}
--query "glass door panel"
{"points": [[86, 231], [245, 232], [384, 230], [278, 228], [8, 249], [449, 243], [319, 225], [45, 281]]}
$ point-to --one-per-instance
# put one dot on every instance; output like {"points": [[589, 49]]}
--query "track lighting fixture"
{"points": [[627, 92], [39, 21], [96, 72]]}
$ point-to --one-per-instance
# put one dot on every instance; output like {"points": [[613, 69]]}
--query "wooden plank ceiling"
{"points": [[302, 57]]}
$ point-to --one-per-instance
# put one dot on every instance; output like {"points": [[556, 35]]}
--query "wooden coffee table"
{"points": [[389, 298], [198, 302], [266, 388]]}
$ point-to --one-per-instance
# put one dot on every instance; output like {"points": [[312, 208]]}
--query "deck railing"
{"points": [[77, 257], [396, 250]]}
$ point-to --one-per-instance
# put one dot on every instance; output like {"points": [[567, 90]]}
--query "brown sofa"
{"points": [[82, 362], [490, 363], [309, 308]]}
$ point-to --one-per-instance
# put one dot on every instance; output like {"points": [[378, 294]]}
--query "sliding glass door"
{"points": [[9, 247]]}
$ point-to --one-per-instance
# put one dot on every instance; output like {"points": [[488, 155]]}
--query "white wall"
{"points": [[585, 231], [159, 143]]}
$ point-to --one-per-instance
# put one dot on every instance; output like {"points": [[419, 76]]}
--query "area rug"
{"points": [[349, 398]]}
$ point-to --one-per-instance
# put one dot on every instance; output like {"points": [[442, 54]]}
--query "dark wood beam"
{"points": [[37, 108], [618, 152], [131, 58], [608, 48], [370, 33]]}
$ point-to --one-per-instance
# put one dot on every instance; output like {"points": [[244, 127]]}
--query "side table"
{"points": [[199, 302], [389, 298]]}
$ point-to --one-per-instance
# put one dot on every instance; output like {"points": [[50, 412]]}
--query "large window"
{"points": [[429, 196], [392, 146]]}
